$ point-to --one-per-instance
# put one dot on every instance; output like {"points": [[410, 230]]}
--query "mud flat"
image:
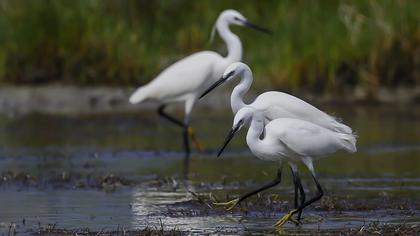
{"points": [[122, 173], [131, 192]]}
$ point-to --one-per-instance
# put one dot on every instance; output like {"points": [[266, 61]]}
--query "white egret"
{"points": [[186, 79], [274, 104], [287, 140]]}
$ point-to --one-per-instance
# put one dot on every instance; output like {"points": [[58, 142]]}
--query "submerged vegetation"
{"points": [[316, 44]]}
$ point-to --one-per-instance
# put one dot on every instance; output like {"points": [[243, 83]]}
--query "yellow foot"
{"points": [[197, 144], [288, 217], [228, 205]]}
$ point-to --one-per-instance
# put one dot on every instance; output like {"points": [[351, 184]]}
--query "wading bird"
{"points": [[186, 79], [287, 140], [274, 104]]}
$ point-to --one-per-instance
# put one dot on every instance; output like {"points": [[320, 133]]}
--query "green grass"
{"points": [[316, 44]]}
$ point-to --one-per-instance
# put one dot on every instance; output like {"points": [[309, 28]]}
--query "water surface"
{"points": [[125, 170]]}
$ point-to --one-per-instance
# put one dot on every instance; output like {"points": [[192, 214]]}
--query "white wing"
{"points": [[307, 139], [278, 105], [183, 77]]}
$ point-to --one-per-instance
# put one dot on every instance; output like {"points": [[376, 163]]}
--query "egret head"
{"points": [[233, 17], [242, 118], [233, 70]]}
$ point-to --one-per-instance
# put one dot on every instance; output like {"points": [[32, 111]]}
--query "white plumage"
{"points": [[183, 80], [275, 104], [186, 79], [287, 140], [283, 129]]}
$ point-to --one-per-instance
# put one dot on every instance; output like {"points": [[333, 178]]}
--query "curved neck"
{"points": [[232, 41], [255, 130], [236, 98]]}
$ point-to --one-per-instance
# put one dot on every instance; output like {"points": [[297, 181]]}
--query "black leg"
{"points": [[298, 191], [187, 151], [312, 200], [185, 136], [231, 204], [273, 183], [296, 188], [302, 195], [161, 112]]}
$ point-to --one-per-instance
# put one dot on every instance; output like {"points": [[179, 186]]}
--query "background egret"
{"points": [[287, 140], [186, 79]]}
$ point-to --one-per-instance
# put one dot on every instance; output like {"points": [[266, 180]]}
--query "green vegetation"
{"points": [[316, 44]]}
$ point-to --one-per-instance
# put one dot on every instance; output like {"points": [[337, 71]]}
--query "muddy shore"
{"points": [[75, 100]]}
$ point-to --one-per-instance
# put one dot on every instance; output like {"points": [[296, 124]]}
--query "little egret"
{"points": [[287, 140], [186, 79], [274, 104]]}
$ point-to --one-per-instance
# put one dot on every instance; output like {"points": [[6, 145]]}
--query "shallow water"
{"points": [[125, 170]]}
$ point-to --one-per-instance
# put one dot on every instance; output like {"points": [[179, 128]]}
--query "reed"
{"points": [[316, 45]]}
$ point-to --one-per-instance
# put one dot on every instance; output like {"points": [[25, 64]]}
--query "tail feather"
{"points": [[138, 96], [348, 141], [342, 128]]}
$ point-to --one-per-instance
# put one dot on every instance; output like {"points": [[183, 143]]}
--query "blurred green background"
{"points": [[317, 45]]}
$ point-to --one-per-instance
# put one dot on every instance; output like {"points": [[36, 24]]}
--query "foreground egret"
{"points": [[288, 140], [274, 104], [186, 79]]}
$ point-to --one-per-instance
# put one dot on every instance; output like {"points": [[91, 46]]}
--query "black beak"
{"points": [[256, 27], [215, 85], [229, 137]]}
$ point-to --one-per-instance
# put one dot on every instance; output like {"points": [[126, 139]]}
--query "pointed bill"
{"points": [[256, 27], [229, 137], [215, 85]]}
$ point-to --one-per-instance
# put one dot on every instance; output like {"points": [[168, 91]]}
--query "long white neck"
{"points": [[232, 41], [236, 98], [255, 130]]}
